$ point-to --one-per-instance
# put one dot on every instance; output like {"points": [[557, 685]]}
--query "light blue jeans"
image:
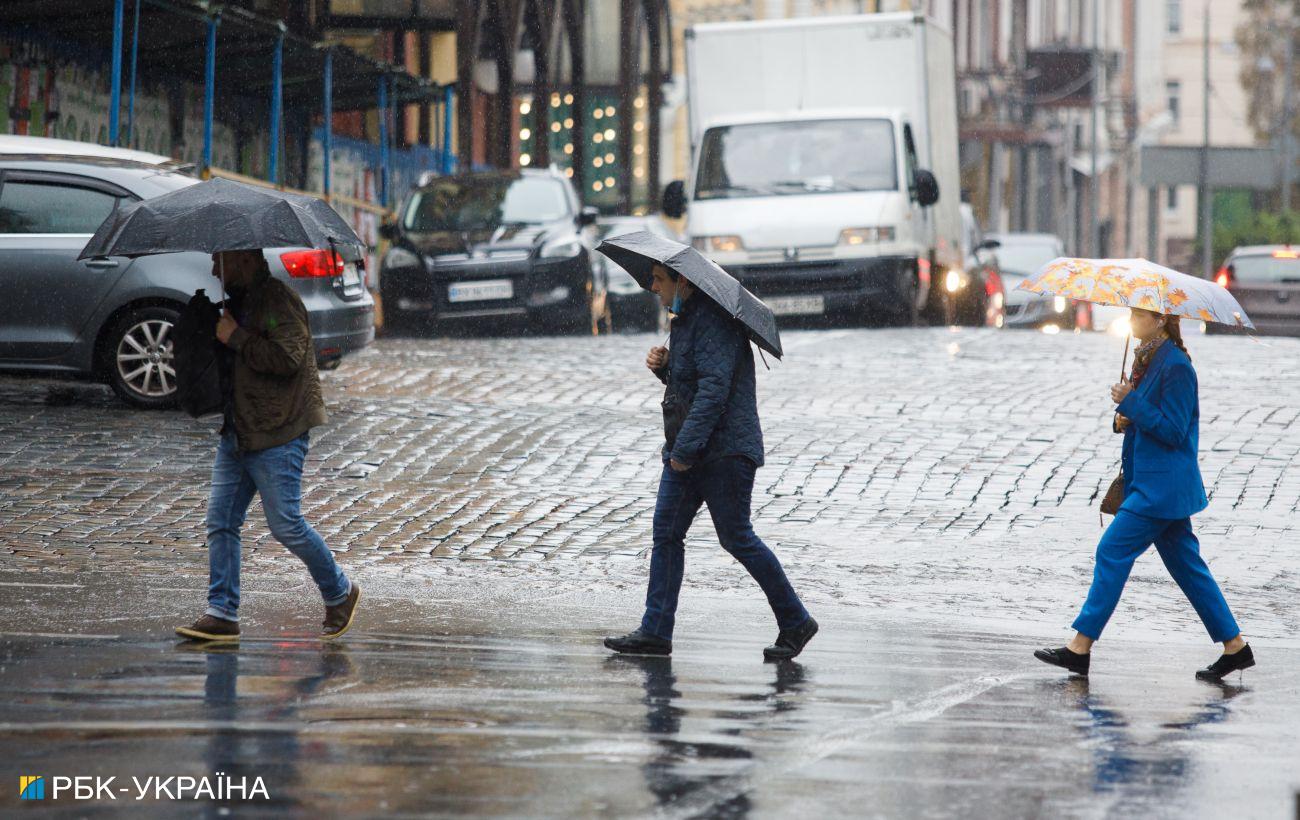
{"points": [[276, 474]]}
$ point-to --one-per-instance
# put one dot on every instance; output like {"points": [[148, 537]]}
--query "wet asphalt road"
{"points": [[932, 494]]}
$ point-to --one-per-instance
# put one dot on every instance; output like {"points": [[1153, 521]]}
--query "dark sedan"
{"points": [[493, 248]]}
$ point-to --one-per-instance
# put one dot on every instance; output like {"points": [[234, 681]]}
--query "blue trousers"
{"points": [[1127, 537], [726, 486], [276, 474]]}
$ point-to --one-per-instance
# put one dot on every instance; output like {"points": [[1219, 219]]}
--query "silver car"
{"points": [[111, 318], [1266, 281], [631, 306], [1021, 255]]}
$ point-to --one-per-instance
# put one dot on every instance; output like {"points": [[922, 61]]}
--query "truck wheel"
{"points": [[139, 359], [903, 312]]}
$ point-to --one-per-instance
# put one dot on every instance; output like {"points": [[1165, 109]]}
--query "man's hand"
{"points": [[657, 358], [678, 466], [1119, 391], [226, 327]]}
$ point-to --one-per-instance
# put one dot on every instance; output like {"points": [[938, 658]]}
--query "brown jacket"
{"points": [[277, 395]]}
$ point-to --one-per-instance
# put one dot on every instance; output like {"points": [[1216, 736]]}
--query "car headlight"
{"points": [[726, 243], [953, 280], [563, 249], [861, 236], [1059, 304], [400, 258]]}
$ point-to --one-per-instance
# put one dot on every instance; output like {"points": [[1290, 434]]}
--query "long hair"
{"points": [[1173, 326]]}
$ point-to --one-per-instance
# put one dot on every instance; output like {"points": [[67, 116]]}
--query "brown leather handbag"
{"points": [[1114, 497]]}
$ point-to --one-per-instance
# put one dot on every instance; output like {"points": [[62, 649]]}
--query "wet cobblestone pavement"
{"points": [[930, 491]]}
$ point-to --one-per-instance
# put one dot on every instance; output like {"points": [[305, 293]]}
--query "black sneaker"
{"points": [[1227, 664], [639, 643], [1064, 658], [210, 628], [790, 642]]}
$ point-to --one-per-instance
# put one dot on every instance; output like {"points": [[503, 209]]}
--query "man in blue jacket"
{"points": [[714, 447]]}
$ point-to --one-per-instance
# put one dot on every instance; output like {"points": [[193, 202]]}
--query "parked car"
{"points": [[1020, 255], [493, 246], [631, 306], [1266, 281], [111, 318], [974, 291]]}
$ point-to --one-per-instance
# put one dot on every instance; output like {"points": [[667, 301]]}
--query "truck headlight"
{"points": [[724, 243], [400, 258], [860, 236], [564, 249]]}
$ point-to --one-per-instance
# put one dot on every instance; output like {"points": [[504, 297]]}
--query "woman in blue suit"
{"points": [[1159, 414]]}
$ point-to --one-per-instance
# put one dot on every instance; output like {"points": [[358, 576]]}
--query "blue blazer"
{"points": [[1161, 476]]}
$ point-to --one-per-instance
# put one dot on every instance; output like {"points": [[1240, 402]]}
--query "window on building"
{"points": [[1171, 198], [1174, 93], [1174, 16]]}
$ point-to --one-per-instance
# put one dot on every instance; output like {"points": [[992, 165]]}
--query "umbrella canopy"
{"points": [[1137, 283], [639, 252], [219, 215]]}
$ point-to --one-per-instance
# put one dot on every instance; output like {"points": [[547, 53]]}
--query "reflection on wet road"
{"points": [[529, 717]]}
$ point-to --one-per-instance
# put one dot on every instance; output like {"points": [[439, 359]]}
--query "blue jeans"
{"points": [[276, 474], [1127, 537], [725, 485]]}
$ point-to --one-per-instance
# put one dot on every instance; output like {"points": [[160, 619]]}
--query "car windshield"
{"points": [[485, 204], [1022, 259], [1283, 268], [787, 158], [620, 228]]}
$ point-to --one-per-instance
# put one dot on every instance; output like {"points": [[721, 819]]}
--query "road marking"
{"points": [[59, 635], [33, 584], [848, 733]]}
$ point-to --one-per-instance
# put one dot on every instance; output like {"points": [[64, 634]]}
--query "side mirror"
{"points": [[674, 201], [388, 231], [988, 245], [587, 216], [927, 188]]}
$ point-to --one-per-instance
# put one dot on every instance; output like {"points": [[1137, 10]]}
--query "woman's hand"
{"points": [[1121, 422], [1120, 391], [656, 358]]}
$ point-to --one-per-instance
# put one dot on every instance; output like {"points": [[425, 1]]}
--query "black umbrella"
{"points": [[639, 252], [219, 215]]}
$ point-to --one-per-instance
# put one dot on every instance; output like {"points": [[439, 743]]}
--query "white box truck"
{"points": [[824, 170]]}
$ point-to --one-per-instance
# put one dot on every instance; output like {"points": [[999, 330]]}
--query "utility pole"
{"points": [[1094, 186], [1203, 193], [1287, 160]]}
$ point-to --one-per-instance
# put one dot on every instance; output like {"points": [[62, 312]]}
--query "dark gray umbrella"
{"points": [[638, 253], [219, 215]]}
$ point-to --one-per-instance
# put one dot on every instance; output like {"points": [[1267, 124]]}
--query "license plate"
{"points": [[481, 291], [350, 275], [797, 305]]}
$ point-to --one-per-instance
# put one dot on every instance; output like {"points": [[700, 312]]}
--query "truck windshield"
{"points": [[788, 158], [484, 203]]}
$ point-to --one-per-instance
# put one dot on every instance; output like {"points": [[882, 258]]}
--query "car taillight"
{"points": [[312, 264], [1224, 277]]}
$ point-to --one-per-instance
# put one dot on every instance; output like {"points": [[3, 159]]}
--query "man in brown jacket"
{"points": [[273, 398]]}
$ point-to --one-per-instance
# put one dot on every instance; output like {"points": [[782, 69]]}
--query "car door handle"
{"points": [[101, 263]]}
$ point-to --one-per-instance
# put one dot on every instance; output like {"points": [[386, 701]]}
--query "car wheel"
{"points": [[903, 312], [140, 359]]}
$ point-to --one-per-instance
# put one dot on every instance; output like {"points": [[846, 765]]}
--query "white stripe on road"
{"points": [[58, 635], [802, 755], [32, 584]]}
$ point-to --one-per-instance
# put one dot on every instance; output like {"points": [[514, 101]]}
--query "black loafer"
{"points": [[790, 642], [639, 643], [1227, 664], [1064, 658]]}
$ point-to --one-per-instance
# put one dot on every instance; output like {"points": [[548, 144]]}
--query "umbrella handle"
{"points": [[1124, 365]]}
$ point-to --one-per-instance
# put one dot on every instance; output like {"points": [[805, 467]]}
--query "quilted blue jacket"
{"points": [[707, 347]]}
